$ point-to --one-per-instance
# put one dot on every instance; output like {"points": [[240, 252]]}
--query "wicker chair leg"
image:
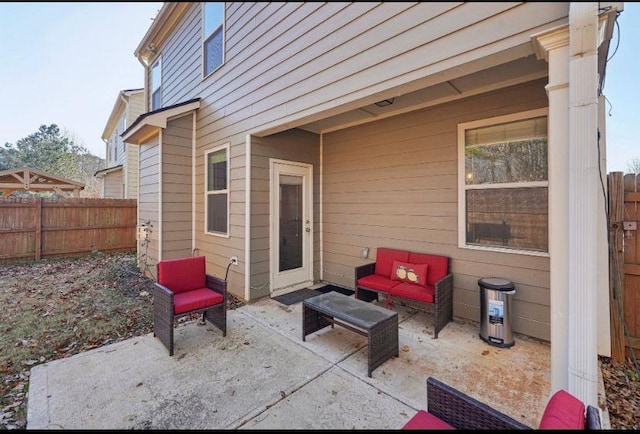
{"points": [[163, 318], [218, 317]]}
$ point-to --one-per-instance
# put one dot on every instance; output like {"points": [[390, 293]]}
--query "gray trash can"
{"points": [[495, 311]]}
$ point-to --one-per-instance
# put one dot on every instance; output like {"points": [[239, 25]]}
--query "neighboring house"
{"points": [[120, 177], [296, 135]]}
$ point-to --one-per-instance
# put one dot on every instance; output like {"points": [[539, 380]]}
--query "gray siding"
{"points": [[177, 149], [148, 201], [393, 183]]}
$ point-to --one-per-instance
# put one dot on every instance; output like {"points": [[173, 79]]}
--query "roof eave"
{"points": [[162, 25]]}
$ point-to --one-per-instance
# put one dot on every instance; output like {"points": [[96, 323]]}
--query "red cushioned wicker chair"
{"points": [[449, 408], [184, 288]]}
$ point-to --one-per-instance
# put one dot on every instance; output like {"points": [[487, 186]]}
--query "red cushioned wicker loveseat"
{"points": [[420, 280]]}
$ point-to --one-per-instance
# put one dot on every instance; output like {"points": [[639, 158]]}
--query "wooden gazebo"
{"points": [[27, 179]]}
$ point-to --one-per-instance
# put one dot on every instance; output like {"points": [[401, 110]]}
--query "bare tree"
{"points": [[634, 166]]}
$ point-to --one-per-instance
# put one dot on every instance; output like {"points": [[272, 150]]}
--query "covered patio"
{"points": [[263, 376]]}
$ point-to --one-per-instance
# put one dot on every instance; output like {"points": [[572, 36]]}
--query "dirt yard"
{"points": [[53, 309]]}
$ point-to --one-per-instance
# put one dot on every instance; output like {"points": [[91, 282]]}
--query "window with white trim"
{"points": [[156, 85], [213, 36], [504, 183], [217, 191]]}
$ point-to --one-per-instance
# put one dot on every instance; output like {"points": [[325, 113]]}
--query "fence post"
{"points": [[616, 264], [38, 249]]}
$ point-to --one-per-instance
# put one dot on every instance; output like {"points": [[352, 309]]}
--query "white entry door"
{"points": [[291, 232]]}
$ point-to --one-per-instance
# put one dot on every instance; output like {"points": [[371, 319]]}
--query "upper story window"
{"points": [[156, 85], [503, 172], [217, 191], [213, 36]]}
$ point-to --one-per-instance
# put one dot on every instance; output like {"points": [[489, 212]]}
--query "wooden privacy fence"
{"points": [[624, 259], [35, 228]]}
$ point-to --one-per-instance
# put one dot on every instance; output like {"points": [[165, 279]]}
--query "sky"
{"points": [[64, 64]]}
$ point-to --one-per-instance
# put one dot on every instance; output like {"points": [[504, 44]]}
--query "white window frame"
{"points": [[157, 63], [227, 149], [463, 187], [205, 37]]}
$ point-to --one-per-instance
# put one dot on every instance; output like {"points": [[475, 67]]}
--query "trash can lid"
{"points": [[496, 283]]}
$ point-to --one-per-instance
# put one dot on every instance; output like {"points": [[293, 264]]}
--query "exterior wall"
{"points": [[148, 200], [132, 171], [113, 185], [219, 249], [327, 54], [177, 149], [394, 183], [115, 152], [293, 62], [135, 106], [134, 109], [294, 145]]}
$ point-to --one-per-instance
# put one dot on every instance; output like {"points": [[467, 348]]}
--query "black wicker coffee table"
{"points": [[378, 324]]}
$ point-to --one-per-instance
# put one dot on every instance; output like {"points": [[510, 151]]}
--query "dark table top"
{"points": [[356, 312]]}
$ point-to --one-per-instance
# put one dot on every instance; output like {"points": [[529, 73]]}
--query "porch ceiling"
{"points": [[517, 71]]}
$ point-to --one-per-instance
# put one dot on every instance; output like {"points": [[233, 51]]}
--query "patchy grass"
{"points": [[53, 309]]}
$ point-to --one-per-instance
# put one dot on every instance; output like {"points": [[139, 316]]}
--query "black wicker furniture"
{"points": [[449, 408], [379, 325], [183, 288], [419, 280]]}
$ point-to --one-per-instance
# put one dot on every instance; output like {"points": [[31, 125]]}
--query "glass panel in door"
{"points": [[291, 214]]}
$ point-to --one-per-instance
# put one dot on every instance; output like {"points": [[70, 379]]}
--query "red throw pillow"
{"points": [[410, 273]]}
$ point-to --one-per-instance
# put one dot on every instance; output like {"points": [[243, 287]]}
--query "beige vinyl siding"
{"points": [[321, 54], [182, 59], [294, 145], [177, 145], [148, 200], [393, 183], [289, 63], [112, 186], [219, 249], [135, 107], [132, 171]]}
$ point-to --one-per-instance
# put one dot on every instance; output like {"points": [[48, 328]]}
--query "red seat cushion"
{"points": [[183, 274], [385, 258], [196, 299], [438, 265], [425, 420], [563, 411], [414, 292], [379, 283], [410, 273]]}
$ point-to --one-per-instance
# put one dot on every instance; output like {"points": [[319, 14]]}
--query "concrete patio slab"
{"points": [[263, 376]]}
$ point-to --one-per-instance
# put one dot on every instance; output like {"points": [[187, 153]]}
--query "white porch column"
{"points": [[553, 46], [583, 200]]}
